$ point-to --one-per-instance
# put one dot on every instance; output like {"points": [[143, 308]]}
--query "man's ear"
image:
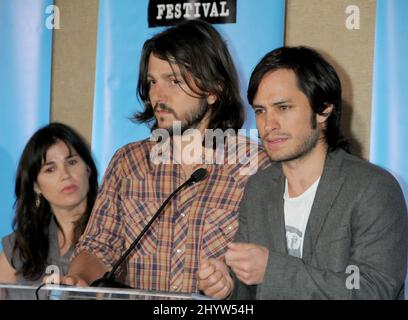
{"points": [[211, 99], [322, 117]]}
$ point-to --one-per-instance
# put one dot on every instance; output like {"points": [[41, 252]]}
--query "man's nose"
{"points": [[272, 122], [158, 93]]}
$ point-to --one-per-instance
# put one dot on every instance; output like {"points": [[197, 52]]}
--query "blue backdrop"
{"points": [[25, 74], [389, 127], [122, 31]]}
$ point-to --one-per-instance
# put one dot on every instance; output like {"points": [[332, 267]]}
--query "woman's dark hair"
{"points": [[204, 62], [316, 78], [31, 224]]}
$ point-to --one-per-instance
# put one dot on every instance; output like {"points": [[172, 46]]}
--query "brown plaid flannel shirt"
{"points": [[199, 222]]}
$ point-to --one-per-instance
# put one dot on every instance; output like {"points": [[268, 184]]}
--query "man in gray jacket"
{"points": [[318, 223]]}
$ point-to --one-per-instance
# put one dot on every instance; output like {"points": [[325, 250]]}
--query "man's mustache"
{"points": [[163, 107]]}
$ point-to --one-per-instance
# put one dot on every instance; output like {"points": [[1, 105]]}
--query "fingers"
{"points": [[206, 270], [74, 280], [241, 253], [236, 254], [240, 246], [242, 270], [216, 285], [213, 279], [248, 261], [51, 279], [68, 280], [220, 286]]}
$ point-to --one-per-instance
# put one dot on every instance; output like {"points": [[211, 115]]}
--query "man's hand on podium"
{"points": [[74, 280], [214, 279], [70, 280]]}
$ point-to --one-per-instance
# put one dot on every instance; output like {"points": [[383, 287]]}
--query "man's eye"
{"points": [[258, 111], [72, 162], [175, 82], [284, 108]]}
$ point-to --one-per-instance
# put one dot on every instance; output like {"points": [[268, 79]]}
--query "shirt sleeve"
{"points": [[103, 235]]}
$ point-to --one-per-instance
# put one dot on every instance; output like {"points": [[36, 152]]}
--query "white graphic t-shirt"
{"points": [[297, 211]]}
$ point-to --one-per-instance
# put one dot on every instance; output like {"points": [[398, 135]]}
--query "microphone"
{"points": [[108, 279]]}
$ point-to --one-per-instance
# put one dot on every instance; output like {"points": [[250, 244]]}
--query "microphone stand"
{"points": [[108, 279]]}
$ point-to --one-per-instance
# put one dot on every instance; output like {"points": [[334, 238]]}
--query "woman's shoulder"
{"points": [[12, 256], [8, 243]]}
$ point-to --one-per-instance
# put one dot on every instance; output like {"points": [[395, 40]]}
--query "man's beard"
{"points": [[192, 119], [308, 144]]}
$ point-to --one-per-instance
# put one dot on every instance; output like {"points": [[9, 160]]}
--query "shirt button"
{"points": [[182, 214], [179, 250], [174, 287], [229, 228]]}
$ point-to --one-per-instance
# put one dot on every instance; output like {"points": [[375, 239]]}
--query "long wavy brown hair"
{"points": [[205, 63]]}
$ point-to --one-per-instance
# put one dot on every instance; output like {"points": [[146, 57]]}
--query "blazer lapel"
{"points": [[276, 218], [329, 186]]}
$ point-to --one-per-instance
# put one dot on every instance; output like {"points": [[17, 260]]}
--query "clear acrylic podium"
{"points": [[57, 292]]}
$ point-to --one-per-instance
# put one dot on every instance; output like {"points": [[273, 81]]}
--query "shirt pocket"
{"points": [[219, 230], [137, 214]]}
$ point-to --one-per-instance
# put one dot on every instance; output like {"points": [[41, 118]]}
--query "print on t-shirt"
{"points": [[294, 241]]}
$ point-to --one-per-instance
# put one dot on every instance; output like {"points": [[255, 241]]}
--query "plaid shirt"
{"points": [[199, 222]]}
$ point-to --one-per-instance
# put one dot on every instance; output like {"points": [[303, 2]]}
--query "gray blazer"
{"points": [[358, 220]]}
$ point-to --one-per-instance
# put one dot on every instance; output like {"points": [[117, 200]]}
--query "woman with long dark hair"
{"points": [[56, 186]]}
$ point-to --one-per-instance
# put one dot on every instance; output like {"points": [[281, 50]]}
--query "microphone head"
{"points": [[198, 175]]}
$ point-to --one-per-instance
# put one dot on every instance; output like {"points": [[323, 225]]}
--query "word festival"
{"points": [[170, 12], [191, 10]]}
